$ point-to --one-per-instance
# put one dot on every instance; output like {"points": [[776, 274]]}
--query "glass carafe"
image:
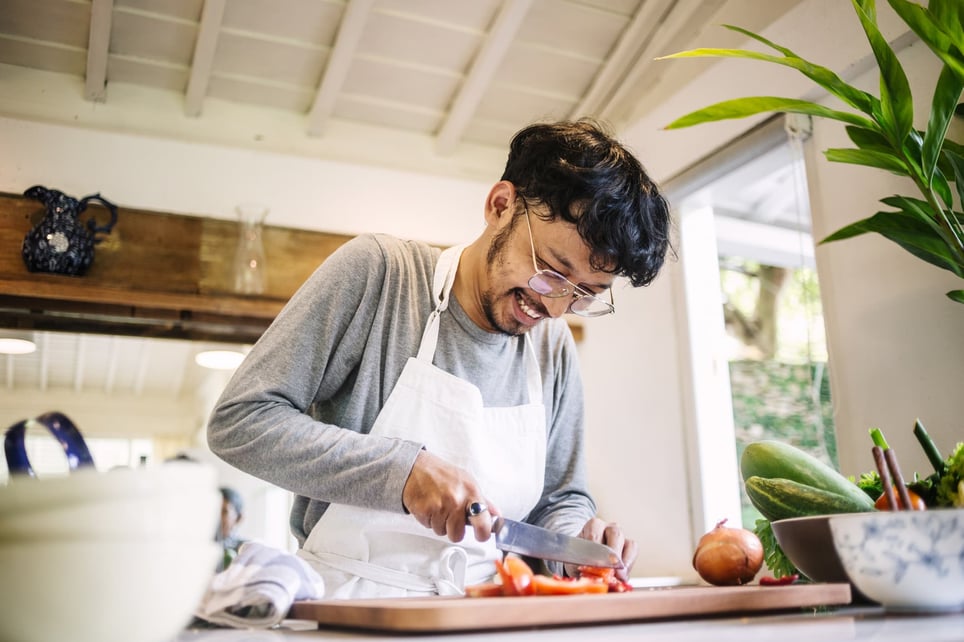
{"points": [[250, 275]]}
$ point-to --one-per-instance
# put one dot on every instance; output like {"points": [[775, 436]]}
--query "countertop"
{"points": [[846, 623]]}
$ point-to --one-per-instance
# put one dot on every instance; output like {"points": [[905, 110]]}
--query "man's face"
{"points": [[510, 305], [229, 518]]}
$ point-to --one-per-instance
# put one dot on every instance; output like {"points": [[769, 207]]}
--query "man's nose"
{"points": [[557, 306]]}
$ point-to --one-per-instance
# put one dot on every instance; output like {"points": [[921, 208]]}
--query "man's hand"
{"points": [[611, 535], [438, 494]]}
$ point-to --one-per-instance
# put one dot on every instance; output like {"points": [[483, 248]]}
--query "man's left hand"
{"points": [[611, 535]]}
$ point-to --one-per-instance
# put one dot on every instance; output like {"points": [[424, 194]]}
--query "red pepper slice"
{"points": [[779, 581]]}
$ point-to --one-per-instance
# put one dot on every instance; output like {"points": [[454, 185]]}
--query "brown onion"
{"points": [[727, 556]]}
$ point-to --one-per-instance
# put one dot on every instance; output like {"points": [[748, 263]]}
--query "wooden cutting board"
{"points": [[445, 614]]}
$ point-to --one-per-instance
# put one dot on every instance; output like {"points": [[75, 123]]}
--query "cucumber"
{"points": [[776, 460], [785, 498]]}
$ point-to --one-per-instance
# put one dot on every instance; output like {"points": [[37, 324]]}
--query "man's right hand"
{"points": [[438, 494]]}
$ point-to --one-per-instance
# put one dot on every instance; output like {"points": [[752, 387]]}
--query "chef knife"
{"points": [[541, 543]]}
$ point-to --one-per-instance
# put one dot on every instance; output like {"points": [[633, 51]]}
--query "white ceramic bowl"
{"points": [[84, 485], [101, 590], [181, 514], [909, 561]]}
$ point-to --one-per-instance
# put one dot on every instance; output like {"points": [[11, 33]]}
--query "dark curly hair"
{"points": [[589, 179]]}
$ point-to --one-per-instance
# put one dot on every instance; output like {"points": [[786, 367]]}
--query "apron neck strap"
{"points": [[445, 269]]}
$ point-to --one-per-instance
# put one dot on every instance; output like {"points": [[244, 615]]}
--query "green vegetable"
{"points": [[870, 483], [785, 498], [774, 557], [772, 459], [930, 448], [878, 438], [944, 488], [950, 485]]}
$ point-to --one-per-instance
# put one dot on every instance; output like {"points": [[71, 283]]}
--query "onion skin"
{"points": [[728, 556]]}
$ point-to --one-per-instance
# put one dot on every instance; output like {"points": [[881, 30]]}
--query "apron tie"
{"points": [[451, 569], [450, 579]]}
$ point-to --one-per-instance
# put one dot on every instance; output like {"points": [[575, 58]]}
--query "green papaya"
{"points": [[771, 459], [784, 498]]}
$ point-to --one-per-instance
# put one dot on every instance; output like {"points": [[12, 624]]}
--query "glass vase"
{"points": [[250, 275]]}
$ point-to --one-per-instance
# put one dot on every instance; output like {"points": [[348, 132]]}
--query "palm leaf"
{"points": [[869, 139], [950, 14], [823, 76], [897, 108], [916, 208], [743, 107], [909, 232], [946, 94], [956, 295], [955, 158], [869, 158], [940, 30]]}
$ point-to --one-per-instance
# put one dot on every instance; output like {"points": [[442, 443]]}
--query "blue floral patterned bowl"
{"points": [[909, 561]]}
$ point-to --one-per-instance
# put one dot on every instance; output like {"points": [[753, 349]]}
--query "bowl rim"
{"points": [[23, 493]]}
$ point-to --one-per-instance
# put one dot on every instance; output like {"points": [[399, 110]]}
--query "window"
{"points": [[757, 349]]}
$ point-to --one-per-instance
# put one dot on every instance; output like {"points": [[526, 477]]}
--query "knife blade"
{"points": [[533, 541]]}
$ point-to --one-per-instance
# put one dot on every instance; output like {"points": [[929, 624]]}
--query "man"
{"points": [[404, 392], [232, 511]]}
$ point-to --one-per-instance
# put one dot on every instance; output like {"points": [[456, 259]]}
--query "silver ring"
{"points": [[475, 509]]}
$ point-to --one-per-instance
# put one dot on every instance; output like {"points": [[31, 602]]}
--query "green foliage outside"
{"points": [[786, 402], [786, 398]]}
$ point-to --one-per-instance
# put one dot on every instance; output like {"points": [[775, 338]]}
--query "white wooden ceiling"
{"points": [[454, 73]]}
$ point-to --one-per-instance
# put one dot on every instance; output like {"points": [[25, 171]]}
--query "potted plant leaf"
{"points": [[881, 127]]}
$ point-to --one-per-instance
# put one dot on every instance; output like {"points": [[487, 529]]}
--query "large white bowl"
{"points": [[905, 560], [101, 590], [85, 485], [182, 514]]}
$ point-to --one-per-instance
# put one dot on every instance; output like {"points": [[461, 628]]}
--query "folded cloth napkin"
{"points": [[258, 588]]}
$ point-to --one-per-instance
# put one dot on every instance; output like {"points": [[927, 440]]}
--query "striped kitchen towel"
{"points": [[258, 588]]}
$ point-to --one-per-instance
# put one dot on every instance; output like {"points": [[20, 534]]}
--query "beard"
{"points": [[495, 259]]}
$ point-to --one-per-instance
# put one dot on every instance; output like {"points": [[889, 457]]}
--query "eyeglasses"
{"points": [[551, 284]]}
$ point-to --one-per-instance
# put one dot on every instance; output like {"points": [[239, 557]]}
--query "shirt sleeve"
{"points": [[261, 423]]}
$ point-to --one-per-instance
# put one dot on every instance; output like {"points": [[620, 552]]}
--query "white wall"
{"points": [[209, 180]]}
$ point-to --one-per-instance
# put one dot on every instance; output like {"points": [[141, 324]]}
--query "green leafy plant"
{"points": [[881, 128]]}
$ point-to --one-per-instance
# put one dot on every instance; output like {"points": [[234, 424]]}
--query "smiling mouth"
{"points": [[526, 308]]}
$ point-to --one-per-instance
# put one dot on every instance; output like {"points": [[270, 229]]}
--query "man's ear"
{"points": [[500, 204]]}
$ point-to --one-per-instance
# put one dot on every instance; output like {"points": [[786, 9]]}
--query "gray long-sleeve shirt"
{"points": [[298, 410]]}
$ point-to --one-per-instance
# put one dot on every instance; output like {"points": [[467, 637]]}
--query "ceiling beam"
{"points": [[633, 38], [203, 62], [684, 15], [339, 62], [98, 48], [480, 74]]}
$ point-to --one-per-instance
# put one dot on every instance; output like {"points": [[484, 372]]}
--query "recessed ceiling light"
{"points": [[219, 359], [16, 345]]}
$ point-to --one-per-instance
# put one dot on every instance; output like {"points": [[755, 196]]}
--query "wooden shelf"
{"points": [[156, 274]]}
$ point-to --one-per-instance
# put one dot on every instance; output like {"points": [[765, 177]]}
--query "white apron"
{"points": [[361, 552]]}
